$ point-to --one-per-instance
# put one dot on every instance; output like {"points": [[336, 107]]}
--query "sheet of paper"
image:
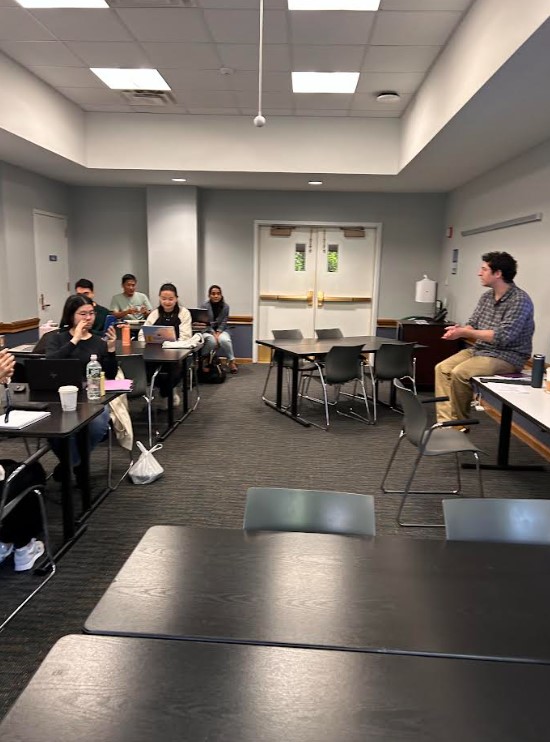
{"points": [[19, 419], [516, 388]]}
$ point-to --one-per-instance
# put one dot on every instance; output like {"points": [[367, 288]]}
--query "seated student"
{"points": [[130, 304], [78, 342], [17, 530], [86, 288], [169, 314], [216, 335]]}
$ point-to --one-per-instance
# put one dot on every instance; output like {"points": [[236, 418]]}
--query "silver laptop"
{"points": [[158, 333]]}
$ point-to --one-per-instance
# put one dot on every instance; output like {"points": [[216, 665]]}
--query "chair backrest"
{"points": [[414, 413], [133, 367], [287, 334], [42, 344], [392, 361], [309, 511], [343, 363], [510, 520], [330, 333]]}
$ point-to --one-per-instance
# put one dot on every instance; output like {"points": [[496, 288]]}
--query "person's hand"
{"points": [[79, 331], [110, 338], [452, 333], [217, 336], [7, 365]]}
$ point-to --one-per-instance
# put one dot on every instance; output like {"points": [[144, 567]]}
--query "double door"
{"points": [[313, 277]]}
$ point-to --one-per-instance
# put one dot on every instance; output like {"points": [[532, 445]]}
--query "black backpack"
{"points": [[211, 371]]}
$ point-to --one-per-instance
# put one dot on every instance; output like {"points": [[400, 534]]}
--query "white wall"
{"points": [[108, 237], [411, 238], [517, 188], [20, 193]]}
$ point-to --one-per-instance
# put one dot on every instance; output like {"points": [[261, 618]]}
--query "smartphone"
{"points": [[110, 320]]}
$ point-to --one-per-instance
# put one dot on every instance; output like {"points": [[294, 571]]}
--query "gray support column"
{"points": [[172, 236]]}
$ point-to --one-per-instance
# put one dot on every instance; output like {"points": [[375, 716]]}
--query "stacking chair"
{"points": [[133, 368], [303, 365], [390, 362], [309, 511], [331, 333], [343, 363], [508, 520], [7, 507], [440, 439]]}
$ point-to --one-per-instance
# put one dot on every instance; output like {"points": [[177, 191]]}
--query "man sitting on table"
{"points": [[86, 288], [131, 304], [501, 329]]}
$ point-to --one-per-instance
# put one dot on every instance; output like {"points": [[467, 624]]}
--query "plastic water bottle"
{"points": [[93, 379]]}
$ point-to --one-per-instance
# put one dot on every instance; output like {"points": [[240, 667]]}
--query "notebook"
{"points": [[199, 315], [19, 419], [48, 374], [158, 333]]}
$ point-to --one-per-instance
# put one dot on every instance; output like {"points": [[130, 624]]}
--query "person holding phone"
{"points": [[86, 288], [130, 304]]}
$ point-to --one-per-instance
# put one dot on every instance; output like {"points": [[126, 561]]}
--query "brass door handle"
{"points": [[348, 299], [283, 297], [320, 298], [310, 298]]}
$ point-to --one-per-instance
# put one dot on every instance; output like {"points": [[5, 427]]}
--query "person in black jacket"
{"points": [[78, 342], [85, 287], [216, 337]]}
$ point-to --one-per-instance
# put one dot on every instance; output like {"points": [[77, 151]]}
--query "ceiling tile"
{"points": [[38, 53], [245, 56], [241, 26], [163, 110], [330, 27], [337, 58], [242, 4], [414, 29], [109, 53], [83, 25], [402, 82], [115, 108], [375, 114], [399, 58], [181, 79], [321, 113], [321, 101], [214, 111], [68, 77], [207, 98], [165, 24], [368, 102], [16, 24], [184, 55], [249, 100], [460, 5], [91, 95], [267, 112]]}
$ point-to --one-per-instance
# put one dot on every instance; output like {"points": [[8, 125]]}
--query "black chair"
{"points": [[439, 439], [390, 362], [506, 520], [287, 362], [309, 511], [330, 333], [342, 364], [6, 508]]}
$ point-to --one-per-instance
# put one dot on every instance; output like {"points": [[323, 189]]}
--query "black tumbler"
{"points": [[537, 372]]}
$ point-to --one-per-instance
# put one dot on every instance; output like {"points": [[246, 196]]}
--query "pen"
{"points": [[8, 400]]}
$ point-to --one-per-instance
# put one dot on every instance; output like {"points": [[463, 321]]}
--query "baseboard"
{"points": [[520, 433]]}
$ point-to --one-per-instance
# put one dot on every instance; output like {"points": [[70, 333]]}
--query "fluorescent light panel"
{"points": [[131, 79], [63, 3], [333, 4], [324, 82]]}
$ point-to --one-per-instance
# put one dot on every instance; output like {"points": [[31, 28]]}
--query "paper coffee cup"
{"points": [[68, 396]]}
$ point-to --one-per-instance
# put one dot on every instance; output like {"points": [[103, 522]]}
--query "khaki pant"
{"points": [[452, 379]]}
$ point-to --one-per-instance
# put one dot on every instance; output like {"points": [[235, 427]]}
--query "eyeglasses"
{"points": [[85, 314]]}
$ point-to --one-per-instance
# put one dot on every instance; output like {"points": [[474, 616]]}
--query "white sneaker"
{"points": [[5, 551], [26, 556], [176, 398]]}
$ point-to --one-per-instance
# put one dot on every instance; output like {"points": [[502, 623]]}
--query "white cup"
{"points": [[68, 396]]}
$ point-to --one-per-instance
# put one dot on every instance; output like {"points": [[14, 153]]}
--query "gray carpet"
{"points": [[232, 442]]}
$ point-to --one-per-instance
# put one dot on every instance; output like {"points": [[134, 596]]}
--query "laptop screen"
{"points": [[158, 333]]}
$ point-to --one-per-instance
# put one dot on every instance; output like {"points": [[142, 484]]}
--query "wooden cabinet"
{"points": [[436, 349]]}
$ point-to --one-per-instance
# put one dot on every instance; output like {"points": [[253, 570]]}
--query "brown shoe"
{"points": [[233, 368]]}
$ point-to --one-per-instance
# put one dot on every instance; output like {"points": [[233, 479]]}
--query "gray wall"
{"points": [[108, 237], [411, 237]]}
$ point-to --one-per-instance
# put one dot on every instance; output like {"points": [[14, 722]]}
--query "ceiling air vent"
{"points": [[154, 98]]}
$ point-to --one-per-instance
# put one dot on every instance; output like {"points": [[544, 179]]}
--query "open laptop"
{"points": [[158, 333], [199, 315], [48, 374]]}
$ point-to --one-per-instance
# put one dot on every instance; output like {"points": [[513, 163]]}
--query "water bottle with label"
{"points": [[93, 379]]}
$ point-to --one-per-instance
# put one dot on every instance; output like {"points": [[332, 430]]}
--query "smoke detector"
{"points": [[388, 96]]}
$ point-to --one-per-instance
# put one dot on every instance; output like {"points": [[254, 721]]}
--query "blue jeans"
{"points": [[97, 431], [224, 343]]}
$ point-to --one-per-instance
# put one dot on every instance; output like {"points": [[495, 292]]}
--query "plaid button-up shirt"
{"points": [[511, 318]]}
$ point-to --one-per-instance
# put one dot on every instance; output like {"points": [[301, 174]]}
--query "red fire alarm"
{"points": [[449, 232]]}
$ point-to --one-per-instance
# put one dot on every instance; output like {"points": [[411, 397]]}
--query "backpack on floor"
{"points": [[211, 371]]}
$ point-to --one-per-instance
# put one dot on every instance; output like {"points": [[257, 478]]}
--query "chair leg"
{"points": [[407, 492], [110, 484], [388, 467], [479, 475], [354, 415]]}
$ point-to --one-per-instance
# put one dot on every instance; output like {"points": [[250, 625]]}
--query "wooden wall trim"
{"points": [[387, 322], [520, 432], [240, 319], [19, 325]]}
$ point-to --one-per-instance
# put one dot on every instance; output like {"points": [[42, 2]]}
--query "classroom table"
{"points": [[310, 348], [382, 594], [118, 689]]}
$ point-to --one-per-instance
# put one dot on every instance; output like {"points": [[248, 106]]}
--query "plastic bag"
{"points": [[147, 468]]}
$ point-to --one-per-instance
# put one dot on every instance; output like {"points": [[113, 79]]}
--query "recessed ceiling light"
{"points": [[179, 180], [131, 79], [324, 82], [388, 96], [333, 4], [63, 3], [315, 182]]}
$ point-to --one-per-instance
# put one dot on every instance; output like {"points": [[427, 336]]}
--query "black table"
{"points": [[142, 690], [383, 594], [307, 348]]}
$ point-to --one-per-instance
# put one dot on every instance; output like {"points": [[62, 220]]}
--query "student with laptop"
{"points": [[78, 342], [169, 314]]}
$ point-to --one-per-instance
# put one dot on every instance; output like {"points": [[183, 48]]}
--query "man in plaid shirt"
{"points": [[501, 329]]}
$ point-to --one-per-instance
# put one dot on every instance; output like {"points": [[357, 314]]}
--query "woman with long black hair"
{"points": [[216, 335]]}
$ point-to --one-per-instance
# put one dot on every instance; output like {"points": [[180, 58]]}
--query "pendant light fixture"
{"points": [[259, 121]]}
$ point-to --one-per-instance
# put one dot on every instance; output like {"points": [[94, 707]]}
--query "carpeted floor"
{"points": [[231, 442]]}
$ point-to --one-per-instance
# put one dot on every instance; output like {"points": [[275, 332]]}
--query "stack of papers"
{"points": [[118, 385], [19, 419]]}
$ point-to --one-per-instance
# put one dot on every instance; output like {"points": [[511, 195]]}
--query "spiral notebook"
{"points": [[19, 419]]}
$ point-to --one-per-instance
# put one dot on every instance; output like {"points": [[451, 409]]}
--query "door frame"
{"points": [[54, 215], [377, 226]]}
